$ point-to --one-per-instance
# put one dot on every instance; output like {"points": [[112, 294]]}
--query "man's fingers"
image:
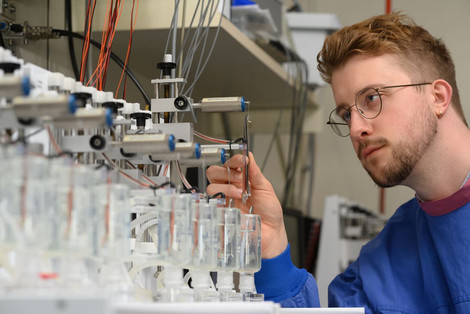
{"points": [[236, 162], [256, 177], [228, 190], [224, 174]]}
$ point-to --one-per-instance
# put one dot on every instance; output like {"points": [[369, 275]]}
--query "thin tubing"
{"points": [[198, 74], [113, 56]]}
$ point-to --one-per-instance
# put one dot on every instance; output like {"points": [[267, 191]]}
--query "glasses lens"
{"points": [[338, 124], [369, 103]]}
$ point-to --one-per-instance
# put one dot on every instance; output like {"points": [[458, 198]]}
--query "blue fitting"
{"points": [[25, 85], [243, 103], [197, 150], [109, 117], [223, 156], [172, 142], [72, 105], [3, 26]]}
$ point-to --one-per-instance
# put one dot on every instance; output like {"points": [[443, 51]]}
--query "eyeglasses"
{"points": [[369, 105]]}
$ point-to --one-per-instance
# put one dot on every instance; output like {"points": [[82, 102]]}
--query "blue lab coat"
{"points": [[419, 263]]}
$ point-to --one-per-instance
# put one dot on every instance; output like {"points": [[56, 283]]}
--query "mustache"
{"points": [[367, 142]]}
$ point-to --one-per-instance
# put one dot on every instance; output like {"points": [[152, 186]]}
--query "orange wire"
{"points": [[100, 57], [89, 37], [109, 38], [109, 28], [86, 46], [132, 26], [116, 15], [85, 41]]}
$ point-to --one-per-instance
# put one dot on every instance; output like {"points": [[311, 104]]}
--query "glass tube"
{"points": [[228, 254], [178, 207], [35, 215], [204, 221], [113, 215], [250, 256], [113, 235], [204, 253], [250, 246], [74, 224], [11, 235], [228, 223]]}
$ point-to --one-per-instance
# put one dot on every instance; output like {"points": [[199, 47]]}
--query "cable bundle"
{"points": [[135, 4]]}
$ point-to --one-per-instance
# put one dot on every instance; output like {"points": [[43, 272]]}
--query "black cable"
{"points": [[2, 42], [222, 195], [193, 189], [115, 58], [296, 131], [156, 187], [68, 21]]}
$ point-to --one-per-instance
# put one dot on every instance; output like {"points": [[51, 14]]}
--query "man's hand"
{"points": [[263, 199]]}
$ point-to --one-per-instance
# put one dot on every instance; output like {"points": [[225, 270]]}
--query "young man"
{"points": [[397, 99]]}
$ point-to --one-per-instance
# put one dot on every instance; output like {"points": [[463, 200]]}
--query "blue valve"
{"points": [[171, 142], [25, 85], [223, 156], [109, 117], [4, 26], [197, 150], [72, 105], [243, 103]]}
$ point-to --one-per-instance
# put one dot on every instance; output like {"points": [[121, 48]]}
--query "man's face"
{"points": [[390, 145]]}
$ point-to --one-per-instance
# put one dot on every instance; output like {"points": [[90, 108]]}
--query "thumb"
{"points": [[256, 176]]}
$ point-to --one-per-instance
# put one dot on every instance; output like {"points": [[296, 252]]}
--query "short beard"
{"points": [[398, 169], [406, 154]]}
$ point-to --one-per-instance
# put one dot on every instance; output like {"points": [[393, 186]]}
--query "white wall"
{"points": [[337, 167]]}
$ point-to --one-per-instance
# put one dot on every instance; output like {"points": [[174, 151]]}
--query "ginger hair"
{"points": [[424, 57]]}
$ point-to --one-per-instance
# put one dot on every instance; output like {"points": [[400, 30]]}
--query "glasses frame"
{"points": [[377, 89]]}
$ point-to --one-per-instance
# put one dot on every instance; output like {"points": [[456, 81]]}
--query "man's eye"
{"points": [[345, 115], [372, 98]]}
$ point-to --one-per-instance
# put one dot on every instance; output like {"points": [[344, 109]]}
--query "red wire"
{"points": [[388, 6]]}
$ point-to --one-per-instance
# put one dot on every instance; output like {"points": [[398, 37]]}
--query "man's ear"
{"points": [[442, 95]]}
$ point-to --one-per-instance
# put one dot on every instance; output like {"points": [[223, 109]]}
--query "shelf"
{"points": [[237, 66]]}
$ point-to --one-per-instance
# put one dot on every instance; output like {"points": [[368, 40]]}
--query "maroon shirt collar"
{"points": [[447, 204]]}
